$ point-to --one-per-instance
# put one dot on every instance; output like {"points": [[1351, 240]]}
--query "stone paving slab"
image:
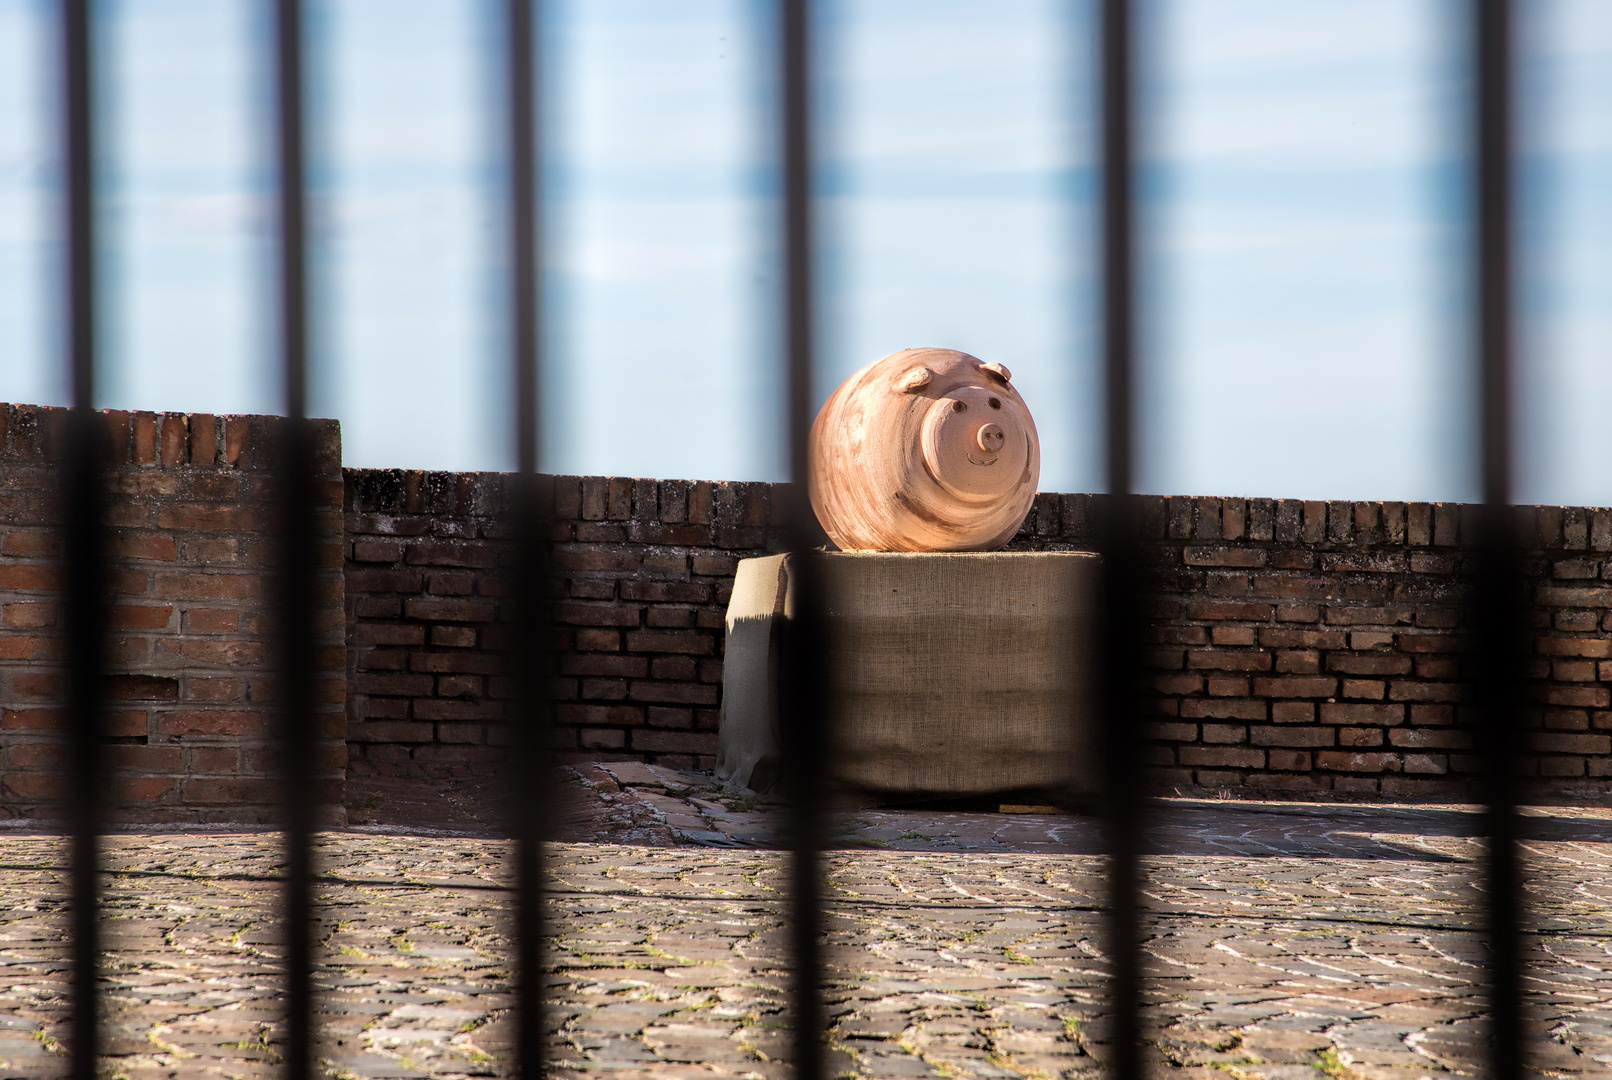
{"points": [[1285, 941]]}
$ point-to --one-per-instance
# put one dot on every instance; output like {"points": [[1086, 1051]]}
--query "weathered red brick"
{"points": [[1172, 732], [1573, 671], [1229, 610], [673, 693], [1439, 738], [1438, 667], [376, 551], [212, 620], [1224, 556], [1405, 690], [30, 576], [209, 722], [1295, 686], [1224, 756], [27, 543], [36, 755], [1226, 686], [1228, 660], [1351, 663], [234, 791], [30, 647], [596, 664], [1298, 662], [694, 742], [1567, 646], [457, 662], [1222, 709], [1178, 684], [598, 615], [211, 517], [142, 688], [1367, 762], [1339, 615], [126, 724], [1363, 689], [1293, 735], [147, 789], [193, 586], [1556, 742], [460, 637], [394, 684], [619, 715], [450, 610], [1362, 715], [186, 651], [147, 759], [1561, 596], [670, 641]]}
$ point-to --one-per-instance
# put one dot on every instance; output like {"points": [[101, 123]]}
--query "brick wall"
{"points": [[1308, 647], [643, 569], [1299, 647], [188, 527]]}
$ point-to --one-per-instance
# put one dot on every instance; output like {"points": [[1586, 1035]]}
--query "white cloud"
{"points": [[1300, 84]]}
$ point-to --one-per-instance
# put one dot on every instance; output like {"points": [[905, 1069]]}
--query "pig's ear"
{"points": [[997, 371], [914, 380]]}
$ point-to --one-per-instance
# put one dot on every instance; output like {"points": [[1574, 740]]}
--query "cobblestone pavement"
{"points": [[1285, 941]]}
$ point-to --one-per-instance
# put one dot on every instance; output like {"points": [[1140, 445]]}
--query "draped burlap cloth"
{"points": [[948, 675]]}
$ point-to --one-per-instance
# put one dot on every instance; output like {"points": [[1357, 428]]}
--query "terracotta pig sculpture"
{"points": [[925, 450]]}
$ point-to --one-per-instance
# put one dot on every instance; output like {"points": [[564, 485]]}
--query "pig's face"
{"points": [[974, 443], [925, 450]]}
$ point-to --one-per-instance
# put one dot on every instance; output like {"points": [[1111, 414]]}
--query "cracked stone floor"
{"points": [[1284, 941]]}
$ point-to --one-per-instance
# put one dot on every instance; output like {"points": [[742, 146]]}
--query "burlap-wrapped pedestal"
{"points": [[948, 675]]}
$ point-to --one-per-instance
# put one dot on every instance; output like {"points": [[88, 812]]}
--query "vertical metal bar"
{"points": [[82, 502], [298, 553], [528, 719], [801, 667], [1498, 618], [1124, 800]]}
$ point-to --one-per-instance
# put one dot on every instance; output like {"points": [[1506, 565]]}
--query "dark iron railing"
{"points": [[1496, 615], [529, 715], [1122, 644], [799, 669], [81, 493], [297, 554]]}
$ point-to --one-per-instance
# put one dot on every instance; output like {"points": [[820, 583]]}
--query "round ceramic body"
{"points": [[925, 450]]}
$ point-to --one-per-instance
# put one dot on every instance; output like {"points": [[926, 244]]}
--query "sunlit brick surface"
{"points": [[192, 551]]}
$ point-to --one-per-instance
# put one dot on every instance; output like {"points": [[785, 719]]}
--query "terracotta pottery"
{"points": [[925, 450]]}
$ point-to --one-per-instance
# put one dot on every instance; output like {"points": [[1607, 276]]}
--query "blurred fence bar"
{"points": [[1499, 621], [82, 496], [297, 551], [1122, 670], [800, 676], [528, 719]]}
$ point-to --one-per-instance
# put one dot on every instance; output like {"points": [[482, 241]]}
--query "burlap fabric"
{"points": [[949, 675]]}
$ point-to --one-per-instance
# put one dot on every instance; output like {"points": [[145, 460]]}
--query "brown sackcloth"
{"points": [[949, 675]]}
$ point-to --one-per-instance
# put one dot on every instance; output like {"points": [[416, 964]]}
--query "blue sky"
{"points": [[1303, 230]]}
